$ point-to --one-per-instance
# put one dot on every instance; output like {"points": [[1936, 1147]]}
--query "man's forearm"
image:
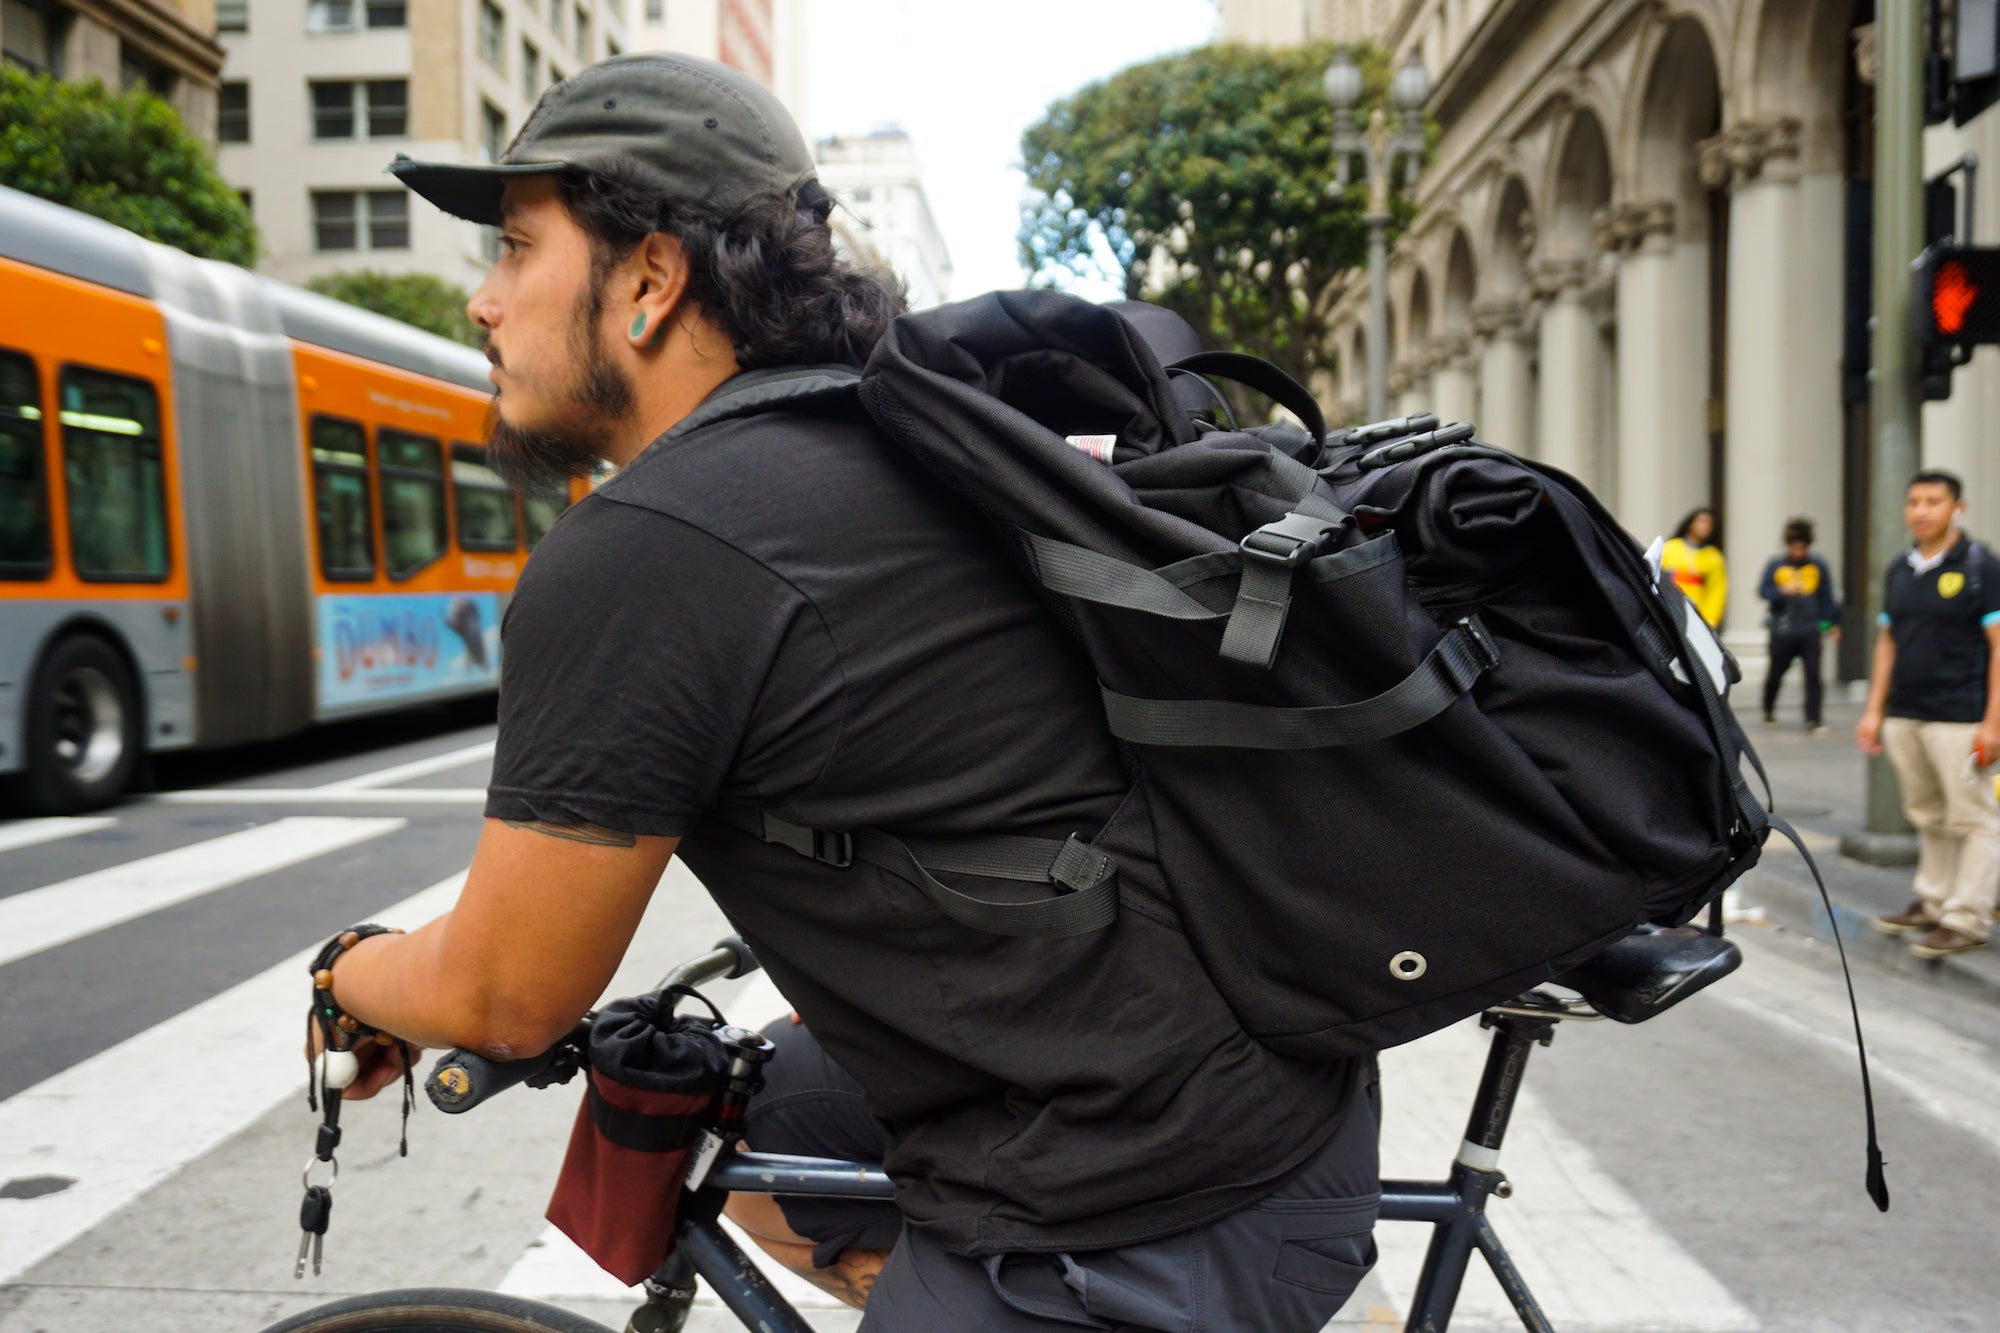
{"points": [[1882, 667], [396, 983]]}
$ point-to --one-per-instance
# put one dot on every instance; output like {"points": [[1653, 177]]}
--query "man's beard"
{"points": [[595, 406]]}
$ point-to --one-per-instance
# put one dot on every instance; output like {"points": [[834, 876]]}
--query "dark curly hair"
{"points": [[765, 270], [1799, 530]]}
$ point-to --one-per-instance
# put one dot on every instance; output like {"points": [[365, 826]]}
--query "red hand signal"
{"points": [[1952, 295]]}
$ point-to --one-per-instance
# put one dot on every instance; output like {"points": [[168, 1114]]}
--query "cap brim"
{"points": [[466, 190]]}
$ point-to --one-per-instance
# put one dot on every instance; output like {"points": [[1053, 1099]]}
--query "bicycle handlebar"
{"points": [[461, 1080]]}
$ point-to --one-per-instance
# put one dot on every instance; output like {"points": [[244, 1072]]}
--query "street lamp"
{"points": [[1378, 146]]}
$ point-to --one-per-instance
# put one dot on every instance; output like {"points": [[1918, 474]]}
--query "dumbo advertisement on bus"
{"points": [[396, 646]]}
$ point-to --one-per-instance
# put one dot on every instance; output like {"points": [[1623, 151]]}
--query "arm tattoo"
{"points": [[590, 834]]}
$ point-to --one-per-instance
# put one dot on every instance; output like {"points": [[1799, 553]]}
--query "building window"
{"points": [[612, 48], [377, 109], [232, 113], [24, 491], [340, 495], [232, 15], [492, 35], [493, 131], [582, 34], [112, 472], [361, 220], [29, 35], [138, 70], [330, 16], [414, 531], [617, 7], [388, 14], [484, 505], [531, 70], [556, 75], [656, 11]]}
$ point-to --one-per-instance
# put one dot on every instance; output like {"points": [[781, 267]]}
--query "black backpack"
{"points": [[1413, 724]]}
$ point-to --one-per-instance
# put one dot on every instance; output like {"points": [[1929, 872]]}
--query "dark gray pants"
{"points": [[1283, 1265]]}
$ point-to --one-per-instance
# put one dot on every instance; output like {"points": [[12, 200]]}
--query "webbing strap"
{"points": [[1877, 1180], [1463, 655], [639, 1132], [1077, 571], [1088, 878], [1271, 556]]}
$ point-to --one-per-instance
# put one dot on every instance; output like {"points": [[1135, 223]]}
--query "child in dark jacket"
{"points": [[1798, 587]]}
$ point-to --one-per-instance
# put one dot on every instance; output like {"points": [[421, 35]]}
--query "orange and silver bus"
{"points": [[229, 509]]}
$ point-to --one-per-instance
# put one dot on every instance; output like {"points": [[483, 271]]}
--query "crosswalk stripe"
{"points": [[57, 913], [416, 768], [28, 832], [102, 1133], [321, 796]]}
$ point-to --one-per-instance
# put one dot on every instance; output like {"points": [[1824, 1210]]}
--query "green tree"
{"points": [[429, 302], [126, 158], [1203, 182]]}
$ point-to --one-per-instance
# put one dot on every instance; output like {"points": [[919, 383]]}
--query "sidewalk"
{"points": [[1818, 786]]}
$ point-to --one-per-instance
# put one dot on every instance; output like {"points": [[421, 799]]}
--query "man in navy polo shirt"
{"points": [[1934, 706]]}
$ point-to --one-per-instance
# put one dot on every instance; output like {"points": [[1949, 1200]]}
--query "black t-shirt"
{"points": [[783, 610], [1939, 620]]}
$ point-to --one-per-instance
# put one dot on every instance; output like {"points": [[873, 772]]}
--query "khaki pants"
{"points": [[1957, 820]]}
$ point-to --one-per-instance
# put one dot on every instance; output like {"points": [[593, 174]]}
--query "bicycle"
{"points": [[1633, 980]]}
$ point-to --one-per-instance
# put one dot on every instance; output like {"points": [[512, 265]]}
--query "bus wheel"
{"points": [[83, 728]]}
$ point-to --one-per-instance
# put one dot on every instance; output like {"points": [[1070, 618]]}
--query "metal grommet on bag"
{"points": [[1408, 965]]}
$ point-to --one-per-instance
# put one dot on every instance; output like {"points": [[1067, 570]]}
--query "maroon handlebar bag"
{"points": [[651, 1080]]}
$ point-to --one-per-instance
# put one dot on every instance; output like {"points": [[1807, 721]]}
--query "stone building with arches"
{"points": [[1640, 252]]}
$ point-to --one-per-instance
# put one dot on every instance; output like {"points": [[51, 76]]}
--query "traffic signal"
{"points": [[1956, 308], [1958, 295]]}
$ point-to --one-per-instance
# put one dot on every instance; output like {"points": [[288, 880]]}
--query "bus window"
{"points": [[340, 495], [413, 522], [24, 492], [111, 464], [540, 509], [484, 505]]}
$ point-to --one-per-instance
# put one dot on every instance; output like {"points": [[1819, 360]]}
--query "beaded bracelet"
{"points": [[326, 1013]]}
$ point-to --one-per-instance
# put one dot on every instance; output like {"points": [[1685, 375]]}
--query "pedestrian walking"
{"points": [[1693, 560], [1934, 706], [1798, 587]]}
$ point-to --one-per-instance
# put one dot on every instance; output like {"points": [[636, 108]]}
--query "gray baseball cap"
{"points": [[695, 129]]}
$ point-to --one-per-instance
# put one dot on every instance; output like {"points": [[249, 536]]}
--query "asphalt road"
{"points": [[1699, 1172]]}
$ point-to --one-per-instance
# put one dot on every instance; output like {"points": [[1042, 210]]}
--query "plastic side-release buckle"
{"points": [[1290, 541], [828, 848]]}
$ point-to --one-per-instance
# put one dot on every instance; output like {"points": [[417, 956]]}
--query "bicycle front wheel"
{"points": [[436, 1310]]}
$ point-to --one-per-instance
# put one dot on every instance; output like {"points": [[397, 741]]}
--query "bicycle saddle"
{"points": [[1652, 971]]}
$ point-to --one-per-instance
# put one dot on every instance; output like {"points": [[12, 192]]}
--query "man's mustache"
{"points": [[492, 352]]}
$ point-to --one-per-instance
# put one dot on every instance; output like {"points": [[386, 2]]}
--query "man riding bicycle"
{"points": [[778, 610]]}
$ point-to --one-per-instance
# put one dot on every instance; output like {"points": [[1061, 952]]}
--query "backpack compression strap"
{"points": [[1087, 877]]}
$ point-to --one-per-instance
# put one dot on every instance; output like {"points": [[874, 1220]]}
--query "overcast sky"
{"points": [[965, 79]]}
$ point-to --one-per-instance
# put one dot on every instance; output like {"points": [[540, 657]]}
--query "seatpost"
{"points": [[1514, 1036]]}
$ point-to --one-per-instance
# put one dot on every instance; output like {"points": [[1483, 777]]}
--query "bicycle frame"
{"points": [[1454, 1207]]}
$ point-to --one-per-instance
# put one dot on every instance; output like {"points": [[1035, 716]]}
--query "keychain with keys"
{"points": [[334, 1070]]}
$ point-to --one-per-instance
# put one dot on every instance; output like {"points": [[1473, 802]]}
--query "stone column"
{"points": [[1662, 305], [1569, 355], [1506, 389], [1758, 162], [1454, 386]]}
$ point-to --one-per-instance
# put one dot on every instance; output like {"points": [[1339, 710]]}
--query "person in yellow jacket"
{"points": [[1693, 560]]}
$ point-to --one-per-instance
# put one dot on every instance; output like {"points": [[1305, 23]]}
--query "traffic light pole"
{"points": [[1895, 393]]}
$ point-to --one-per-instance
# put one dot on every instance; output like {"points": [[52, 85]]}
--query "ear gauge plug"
{"points": [[638, 326]]}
